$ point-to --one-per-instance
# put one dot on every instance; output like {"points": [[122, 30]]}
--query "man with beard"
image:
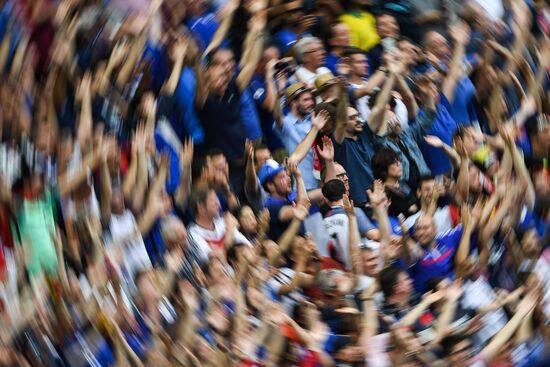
{"points": [[353, 146], [295, 125]]}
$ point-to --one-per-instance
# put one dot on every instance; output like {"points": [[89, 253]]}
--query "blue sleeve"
{"points": [[185, 98], [172, 181], [452, 238], [444, 101], [363, 222], [249, 116], [158, 63]]}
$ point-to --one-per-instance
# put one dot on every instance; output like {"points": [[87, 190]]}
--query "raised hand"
{"points": [[263, 220], [301, 211], [377, 196], [320, 119], [348, 206], [327, 150], [186, 154], [460, 33], [434, 141]]}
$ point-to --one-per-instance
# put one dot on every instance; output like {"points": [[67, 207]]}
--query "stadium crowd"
{"points": [[274, 183]]}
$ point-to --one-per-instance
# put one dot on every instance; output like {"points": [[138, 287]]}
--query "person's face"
{"points": [[424, 230], [212, 205], [425, 191], [359, 65], [395, 170], [469, 140], [340, 35], [541, 182], [262, 155], [248, 221], [117, 202], [180, 235], [219, 168], [530, 243], [438, 45], [305, 103], [342, 175], [475, 182], [270, 53], [315, 54], [273, 252], [221, 69], [147, 289], [354, 125], [404, 285], [370, 262], [409, 52], [427, 89], [387, 26], [282, 183]]}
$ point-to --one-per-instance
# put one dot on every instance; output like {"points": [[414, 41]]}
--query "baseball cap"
{"points": [[268, 170], [294, 90], [324, 81]]}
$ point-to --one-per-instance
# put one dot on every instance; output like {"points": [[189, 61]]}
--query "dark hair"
{"points": [[381, 161], [388, 279], [214, 152], [232, 255], [198, 197], [333, 190], [449, 342], [460, 132], [197, 166], [424, 178], [374, 96], [350, 51], [209, 57], [433, 282]]}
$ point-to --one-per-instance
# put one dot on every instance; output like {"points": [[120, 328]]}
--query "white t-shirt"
{"points": [[442, 220], [493, 8], [284, 277], [478, 294], [205, 239], [125, 238], [305, 76]]}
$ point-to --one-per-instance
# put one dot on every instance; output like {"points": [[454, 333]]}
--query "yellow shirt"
{"points": [[362, 29]]}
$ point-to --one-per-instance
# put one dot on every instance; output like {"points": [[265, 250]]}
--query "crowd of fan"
{"points": [[274, 183]]}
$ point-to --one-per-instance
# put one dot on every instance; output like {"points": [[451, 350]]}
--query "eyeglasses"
{"points": [[342, 175]]}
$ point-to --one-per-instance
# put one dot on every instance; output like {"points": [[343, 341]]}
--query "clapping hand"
{"points": [[326, 151]]}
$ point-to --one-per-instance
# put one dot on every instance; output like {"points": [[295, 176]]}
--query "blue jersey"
{"points": [[437, 261]]}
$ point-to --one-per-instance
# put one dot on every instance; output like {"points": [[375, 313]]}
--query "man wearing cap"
{"points": [[294, 126], [280, 202]]}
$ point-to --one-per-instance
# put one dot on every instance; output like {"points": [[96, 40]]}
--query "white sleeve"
{"points": [[240, 238]]}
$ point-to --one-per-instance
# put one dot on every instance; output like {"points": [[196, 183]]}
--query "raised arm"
{"points": [[353, 237], [520, 168], [408, 97], [319, 120], [253, 49], [184, 188], [225, 15], [378, 201], [300, 212], [461, 35], [376, 118], [341, 114], [84, 96], [373, 82], [470, 220], [177, 55], [492, 349]]}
